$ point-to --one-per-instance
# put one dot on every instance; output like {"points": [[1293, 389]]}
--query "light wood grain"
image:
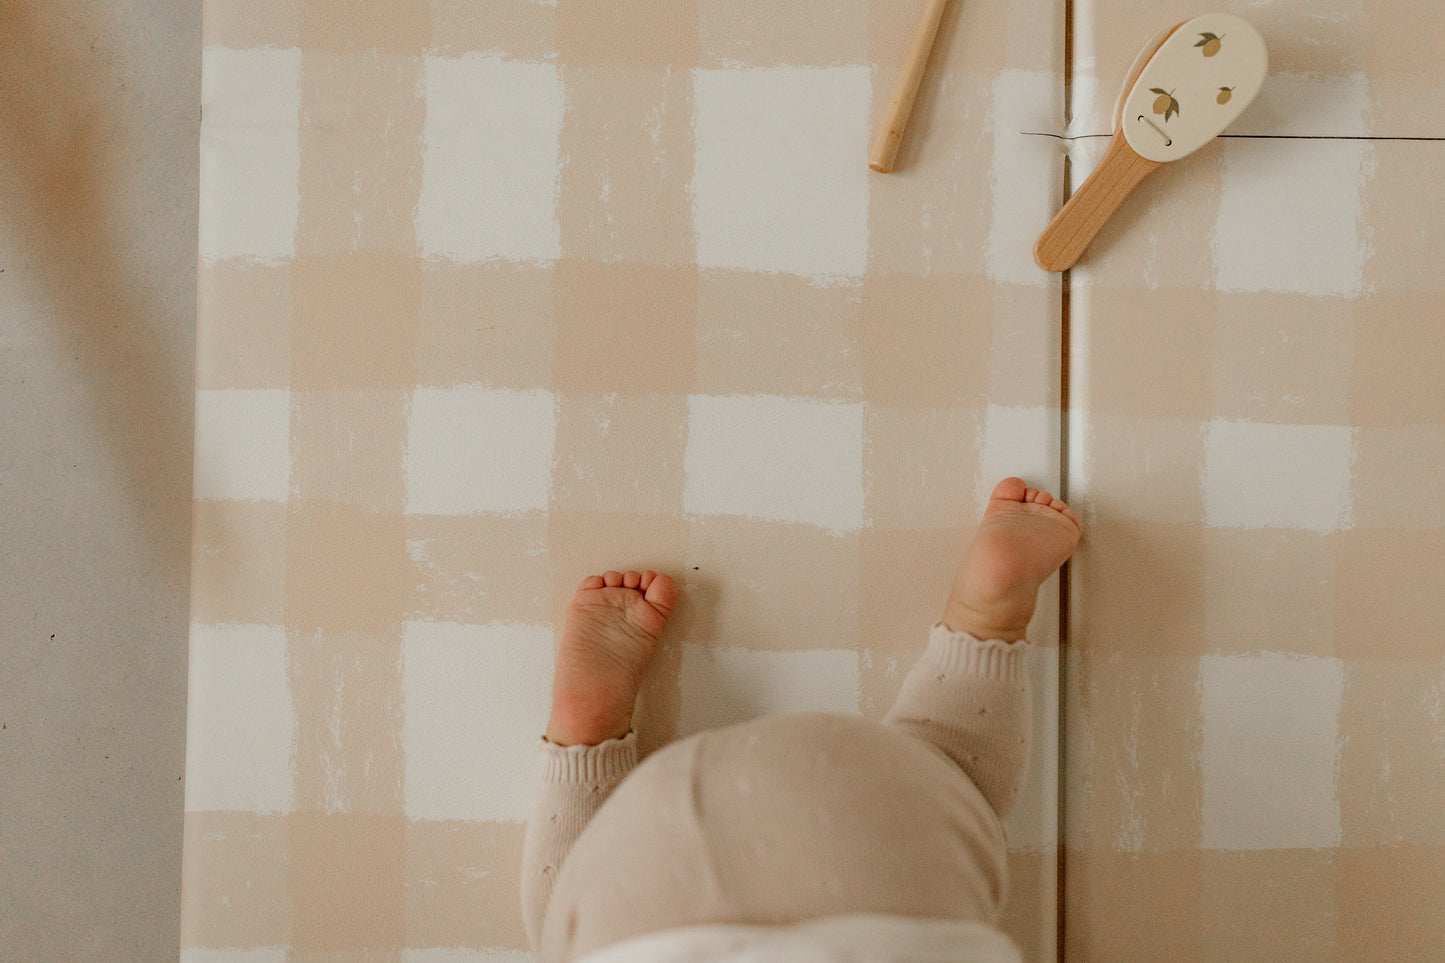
{"points": [[1069, 233], [884, 149]]}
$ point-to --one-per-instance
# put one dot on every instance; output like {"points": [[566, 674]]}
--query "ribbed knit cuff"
{"points": [[606, 762], [988, 659]]}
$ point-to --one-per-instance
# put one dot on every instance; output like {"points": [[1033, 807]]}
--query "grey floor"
{"points": [[99, 121]]}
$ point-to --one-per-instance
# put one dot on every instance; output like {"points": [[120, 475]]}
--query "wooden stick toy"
{"points": [[1187, 84], [885, 146]]}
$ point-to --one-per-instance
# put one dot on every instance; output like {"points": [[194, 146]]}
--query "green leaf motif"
{"points": [[1165, 103]]}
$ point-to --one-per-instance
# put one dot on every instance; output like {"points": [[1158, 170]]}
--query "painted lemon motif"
{"points": [[1224, 94], [1165, 103], [1210, 43]]}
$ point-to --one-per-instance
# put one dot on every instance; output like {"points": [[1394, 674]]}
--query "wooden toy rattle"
{"points": [[1187, 84]]}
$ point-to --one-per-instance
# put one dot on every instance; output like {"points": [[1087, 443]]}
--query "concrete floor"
{"points": [[99, 125]]}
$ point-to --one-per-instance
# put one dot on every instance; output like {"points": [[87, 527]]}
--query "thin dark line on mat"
{"points": [[1059, 764], [1044, 133], [1064, 337]]}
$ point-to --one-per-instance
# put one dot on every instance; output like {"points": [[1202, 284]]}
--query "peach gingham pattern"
{"points": [[1254, 744], [494, 297]]}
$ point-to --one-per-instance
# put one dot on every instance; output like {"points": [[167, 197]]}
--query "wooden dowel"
{"points": [[885, 146]]}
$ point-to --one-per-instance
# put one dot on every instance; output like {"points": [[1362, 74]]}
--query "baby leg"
{"points": [[613, 626], [968, 694], [970, 698]]}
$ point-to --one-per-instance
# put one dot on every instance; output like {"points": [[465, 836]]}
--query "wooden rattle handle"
{"points": [[885, 146], [1071, 230]]}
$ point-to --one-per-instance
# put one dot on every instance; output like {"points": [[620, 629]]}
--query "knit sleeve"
{"points": [[574, 783]]}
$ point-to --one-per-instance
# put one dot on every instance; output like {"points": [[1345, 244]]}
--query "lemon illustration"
{"points": [[1165, 103], [1224, 94], [1210, 43]]}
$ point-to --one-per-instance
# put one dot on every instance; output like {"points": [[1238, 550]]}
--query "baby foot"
{"points": [[612, 629], [1025, 535]]}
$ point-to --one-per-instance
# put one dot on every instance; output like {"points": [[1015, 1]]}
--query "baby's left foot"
{"points": [[613, 626]]}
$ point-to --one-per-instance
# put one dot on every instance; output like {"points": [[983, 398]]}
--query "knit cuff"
{"points": [[988, 659], [606, 762]]}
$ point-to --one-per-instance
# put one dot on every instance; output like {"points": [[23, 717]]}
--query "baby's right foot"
{"points": [[1025, 535]]}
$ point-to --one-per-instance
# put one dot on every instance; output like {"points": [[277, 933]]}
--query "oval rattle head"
{"points": [[1184, 88], [1191, 87]]}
